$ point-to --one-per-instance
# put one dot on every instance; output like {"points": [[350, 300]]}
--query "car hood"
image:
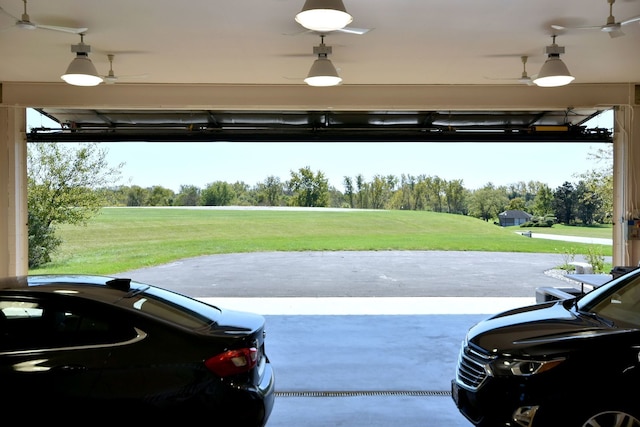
{"points": [[539, 329]]}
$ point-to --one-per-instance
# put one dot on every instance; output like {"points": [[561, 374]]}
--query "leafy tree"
{"points": [[380, 192], [137, 196], [600, 180], [516, 189], [361, 187], [42, 241], [421, 194], [543, 201], [517, 203], [160, 196], [244, 195], [348, 190], [218, 193], [589, 202], [62, 188], [564, 203], [405, 198], [308, 189], [115, 196], [487, 202], [270, 191], [188, 195], [456, 195], [436, 188], [336, 198]]}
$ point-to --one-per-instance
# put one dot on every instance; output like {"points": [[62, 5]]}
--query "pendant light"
{"points": [[554, 72], [322, 72], [81, 71], [323, 15]]}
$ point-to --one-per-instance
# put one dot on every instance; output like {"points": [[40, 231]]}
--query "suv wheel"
{"points": [[612, 419]]}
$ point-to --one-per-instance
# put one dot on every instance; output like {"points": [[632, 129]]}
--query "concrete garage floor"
{"points": [[365, 370], [363, 339]]}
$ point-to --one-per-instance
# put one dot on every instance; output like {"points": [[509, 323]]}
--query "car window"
{"points": [[29, 324], [176, 308], [618, 302]]}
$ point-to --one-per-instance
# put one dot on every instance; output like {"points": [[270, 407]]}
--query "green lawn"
{"points": [[122, 239]]}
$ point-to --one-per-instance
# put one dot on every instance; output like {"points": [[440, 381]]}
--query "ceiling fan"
{"points": [[111, 77], [612, 27], [524, 78], [24, 22]]}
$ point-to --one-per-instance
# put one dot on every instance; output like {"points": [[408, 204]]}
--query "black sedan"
{"points": [[569, 363], [93, 348]]}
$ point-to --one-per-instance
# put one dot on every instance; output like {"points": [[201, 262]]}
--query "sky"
{"points": [[172, 165]]}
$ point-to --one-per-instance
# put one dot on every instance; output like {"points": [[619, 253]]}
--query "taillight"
{"points": [[233, 362]]}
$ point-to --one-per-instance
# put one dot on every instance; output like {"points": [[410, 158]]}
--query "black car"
{"points": [[93, 348], [572, 362]]}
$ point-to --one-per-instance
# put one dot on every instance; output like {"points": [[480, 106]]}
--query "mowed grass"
{"points": [[123, 239]]}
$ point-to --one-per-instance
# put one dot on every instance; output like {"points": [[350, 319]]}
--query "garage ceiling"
{"points": [[257, 42]]}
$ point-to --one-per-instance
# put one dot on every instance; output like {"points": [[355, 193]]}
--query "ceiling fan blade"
{"points": [[63, 29], [353, 30], [587, 27], [502, 78], [115, 79], [630, 20], [615, 33], [25, 23], [303, 31], [15, 18], [527, 81]]}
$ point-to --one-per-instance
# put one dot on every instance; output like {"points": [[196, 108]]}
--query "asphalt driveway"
{"points": [[363, 339]]}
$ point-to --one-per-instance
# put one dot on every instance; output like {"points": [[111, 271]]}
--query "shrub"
{"points": [[595, 258]]}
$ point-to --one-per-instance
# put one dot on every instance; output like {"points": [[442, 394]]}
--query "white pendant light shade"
{"points": [[82, 72], [323, 15], [323, 73], [554, 73]]}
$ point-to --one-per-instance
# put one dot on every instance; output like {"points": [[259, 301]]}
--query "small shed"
{"points": [[513, 217]]}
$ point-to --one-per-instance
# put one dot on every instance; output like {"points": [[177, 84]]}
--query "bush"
{"points": [[531, 224]]}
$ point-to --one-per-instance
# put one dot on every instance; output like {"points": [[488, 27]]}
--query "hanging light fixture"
{"points": [[554, 72], [322, 72], [323, 15], [81, 71]]}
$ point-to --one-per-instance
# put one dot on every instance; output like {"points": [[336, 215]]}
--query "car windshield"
{"points": [[617, 301]]}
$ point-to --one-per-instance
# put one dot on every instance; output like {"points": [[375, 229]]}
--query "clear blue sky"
{"points": [[174, 164]]}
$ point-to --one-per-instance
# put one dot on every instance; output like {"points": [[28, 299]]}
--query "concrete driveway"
{"points": [[363, 339]]}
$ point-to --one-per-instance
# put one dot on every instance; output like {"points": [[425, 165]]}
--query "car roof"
{"points": [[99, 288]]}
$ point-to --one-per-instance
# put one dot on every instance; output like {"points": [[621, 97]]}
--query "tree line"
{"points": [[586, 201], [70, 185]]}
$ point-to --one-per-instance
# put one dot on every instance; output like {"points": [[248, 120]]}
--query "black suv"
{"points": [[572, 362]]}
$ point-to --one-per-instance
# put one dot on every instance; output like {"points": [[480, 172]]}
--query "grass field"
{"points": [[122, 239]]}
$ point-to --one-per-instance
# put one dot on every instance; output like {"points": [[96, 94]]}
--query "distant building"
{"points": [[513, 217]]}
